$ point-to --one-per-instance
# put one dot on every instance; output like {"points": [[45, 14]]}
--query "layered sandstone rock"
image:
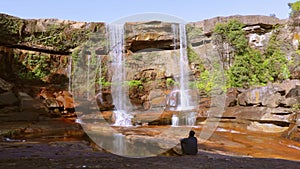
{"points": [[149, 59]]}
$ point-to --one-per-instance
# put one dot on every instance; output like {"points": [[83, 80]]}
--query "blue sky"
{"points": [[111, 10]]}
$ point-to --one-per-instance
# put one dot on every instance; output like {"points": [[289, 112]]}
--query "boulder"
{"points": [[269, 96], [231, 97], [157, 98], [8, 99], [272, 101], [5, 86], [289, 102], [149, 35], [265, 22], [294, 92], [158, 102], [65, 100], [288, 85], [268, 128], [27, 103], [258, 114]]}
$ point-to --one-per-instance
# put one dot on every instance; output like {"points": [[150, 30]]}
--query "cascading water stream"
{"points": [[184, 69], [184, 102], [119, 90]]}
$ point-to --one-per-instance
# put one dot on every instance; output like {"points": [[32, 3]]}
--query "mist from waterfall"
{"points": [[119, 90]]}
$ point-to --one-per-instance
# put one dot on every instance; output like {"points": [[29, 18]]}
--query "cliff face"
{"points": [[55, 38], [45, 35], [41, 49]]}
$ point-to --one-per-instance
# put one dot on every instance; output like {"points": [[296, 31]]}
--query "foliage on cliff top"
{"points": [[51, 35], [10, 29], [251, 66], [58, 37], [232, 32], [295, 8]]}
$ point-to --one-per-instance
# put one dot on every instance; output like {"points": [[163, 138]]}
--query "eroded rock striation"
{"points": [[150, 48]]}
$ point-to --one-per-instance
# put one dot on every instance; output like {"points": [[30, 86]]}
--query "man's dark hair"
{"points": [[192, 133]]}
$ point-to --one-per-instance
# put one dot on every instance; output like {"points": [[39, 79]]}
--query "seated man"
{"points": [[189, 146]]}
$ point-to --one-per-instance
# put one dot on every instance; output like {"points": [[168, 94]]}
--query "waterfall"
{"points": [[191, 119], [175, 120], [184, 69], [118, 88], [184, 101], [182, 95]]}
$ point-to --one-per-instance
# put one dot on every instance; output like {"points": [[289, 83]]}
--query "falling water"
{"points": [[191, 119], [184, 100], [175, 120], [184, 69], [119, 91]]}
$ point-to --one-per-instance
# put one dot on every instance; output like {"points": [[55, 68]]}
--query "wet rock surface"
{"points": [[77, 154], [47, 142], [70, 152]]}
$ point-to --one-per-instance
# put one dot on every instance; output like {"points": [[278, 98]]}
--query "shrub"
{"points": [[295, 8], [251, 66]]}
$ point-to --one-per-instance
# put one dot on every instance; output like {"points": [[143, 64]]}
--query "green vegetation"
{"points": [[34, 67], [250, 66], [295, 8], [170, 82], [275, 64], [230, 33], [192, 55], [101, 81], [296, 107], [59, 37], [211, 80], [193, 31], [10, 26], [205, 83], [247, 70], [233, 34], [135, 83]]}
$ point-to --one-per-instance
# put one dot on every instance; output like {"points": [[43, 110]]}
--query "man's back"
{"points": [[189, 146]]}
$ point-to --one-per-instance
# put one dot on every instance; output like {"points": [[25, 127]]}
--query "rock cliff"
{"points": [[35, 55]]}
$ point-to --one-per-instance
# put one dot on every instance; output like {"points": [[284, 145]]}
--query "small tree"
{"points": [[295, 8], [247, 69], [251, 66], [230, 40]]}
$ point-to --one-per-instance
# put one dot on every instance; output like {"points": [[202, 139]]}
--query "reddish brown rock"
{"points": [[231, 97]]}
